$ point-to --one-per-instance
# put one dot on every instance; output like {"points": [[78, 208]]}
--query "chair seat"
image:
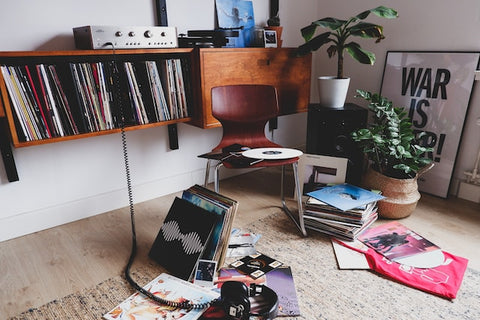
{"points": [[262, 164]]}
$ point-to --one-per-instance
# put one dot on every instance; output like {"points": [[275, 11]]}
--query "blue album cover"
{"points": [[345, 196], [237, 14]]}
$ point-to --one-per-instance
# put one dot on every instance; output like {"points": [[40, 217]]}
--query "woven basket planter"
{"points": [[401, 194]]}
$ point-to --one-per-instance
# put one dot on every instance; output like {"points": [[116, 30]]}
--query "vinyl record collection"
{"points": [[51, 100], [202, 222], [347, 213]]}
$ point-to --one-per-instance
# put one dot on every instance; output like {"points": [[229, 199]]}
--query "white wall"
{"points": [[65, 181], [71, 180]]}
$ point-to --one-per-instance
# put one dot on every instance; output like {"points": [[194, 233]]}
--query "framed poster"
{"points": [[435, 88]]}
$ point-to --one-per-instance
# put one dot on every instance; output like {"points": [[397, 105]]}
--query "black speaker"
{"points": [[328, 133]]}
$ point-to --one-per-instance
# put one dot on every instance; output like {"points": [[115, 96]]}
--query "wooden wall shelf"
{"points": [[202, 69]]}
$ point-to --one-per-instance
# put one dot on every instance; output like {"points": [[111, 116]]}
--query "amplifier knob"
{"points": [[131, 34], [118, 34], [148, 34]]}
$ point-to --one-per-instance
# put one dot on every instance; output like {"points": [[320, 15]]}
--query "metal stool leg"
{"points": [[216, 177], [207, 172], [300, 223]]}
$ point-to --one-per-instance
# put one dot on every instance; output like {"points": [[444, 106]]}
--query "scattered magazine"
{"points": [[138, 307], [345, 196]]}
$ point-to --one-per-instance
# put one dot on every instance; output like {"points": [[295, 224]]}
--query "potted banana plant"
{"points": [[338, 41]]}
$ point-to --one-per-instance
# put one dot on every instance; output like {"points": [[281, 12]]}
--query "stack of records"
{"points": [[343, 211], [197, 226]]}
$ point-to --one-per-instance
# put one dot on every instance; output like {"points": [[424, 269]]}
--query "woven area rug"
{"points": [[324, 292]]}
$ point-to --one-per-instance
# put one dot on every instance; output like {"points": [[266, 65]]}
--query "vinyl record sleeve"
{"points": [[182, 238], [398, 243], [345, 196], [256, 265]]}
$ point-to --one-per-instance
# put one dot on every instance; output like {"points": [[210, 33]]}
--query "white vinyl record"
{"points": [[272, 153], [430, 259]]}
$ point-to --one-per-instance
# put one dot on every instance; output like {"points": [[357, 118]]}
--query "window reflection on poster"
{"points": [[435, 88]]}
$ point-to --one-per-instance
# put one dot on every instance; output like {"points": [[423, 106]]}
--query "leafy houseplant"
{"points": [[341, 31], [390, 142]]}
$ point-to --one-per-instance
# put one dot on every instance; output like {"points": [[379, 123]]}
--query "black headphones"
{"points": [[236, 303]]}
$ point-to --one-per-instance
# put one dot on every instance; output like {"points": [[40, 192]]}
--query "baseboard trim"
{"points": [[45, 218]]}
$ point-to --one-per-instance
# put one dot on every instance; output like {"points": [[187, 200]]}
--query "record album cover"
{"points": [[345, 196], [279, 280], [139, 307], [398, 243], [256, 265], [182, 238]]}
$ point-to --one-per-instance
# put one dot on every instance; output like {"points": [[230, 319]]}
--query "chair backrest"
{"points": [[243, 111]]}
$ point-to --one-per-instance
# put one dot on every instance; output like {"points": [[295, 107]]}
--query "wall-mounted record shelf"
{"points": [[53, 96], [33, 82]]}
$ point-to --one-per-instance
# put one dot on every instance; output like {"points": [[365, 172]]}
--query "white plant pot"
{"points": [[332, 91]]}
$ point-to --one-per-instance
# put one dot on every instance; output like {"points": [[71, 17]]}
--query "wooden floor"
{"points": [[38, 268]]}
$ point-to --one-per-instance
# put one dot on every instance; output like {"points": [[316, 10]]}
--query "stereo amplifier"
{"points": [[107, 37]]}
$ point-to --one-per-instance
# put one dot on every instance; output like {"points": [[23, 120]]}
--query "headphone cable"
{"points": [[133, 253]]}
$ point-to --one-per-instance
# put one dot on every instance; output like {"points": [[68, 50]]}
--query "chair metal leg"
{"points": [[300, 223], [216, 177], [207, 172]]}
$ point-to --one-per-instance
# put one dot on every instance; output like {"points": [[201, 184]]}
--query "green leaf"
{"points": [[314, 44], [363, 94], [367, 30], [330, 23], [385, 12], [308, 31], [380, 11], [359, 54], [332, 50]]}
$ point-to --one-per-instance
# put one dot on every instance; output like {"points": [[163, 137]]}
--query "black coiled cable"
{"points": [[131, 281]]}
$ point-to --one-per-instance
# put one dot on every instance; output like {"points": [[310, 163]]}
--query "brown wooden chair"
{"points": [[243, 111]]}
